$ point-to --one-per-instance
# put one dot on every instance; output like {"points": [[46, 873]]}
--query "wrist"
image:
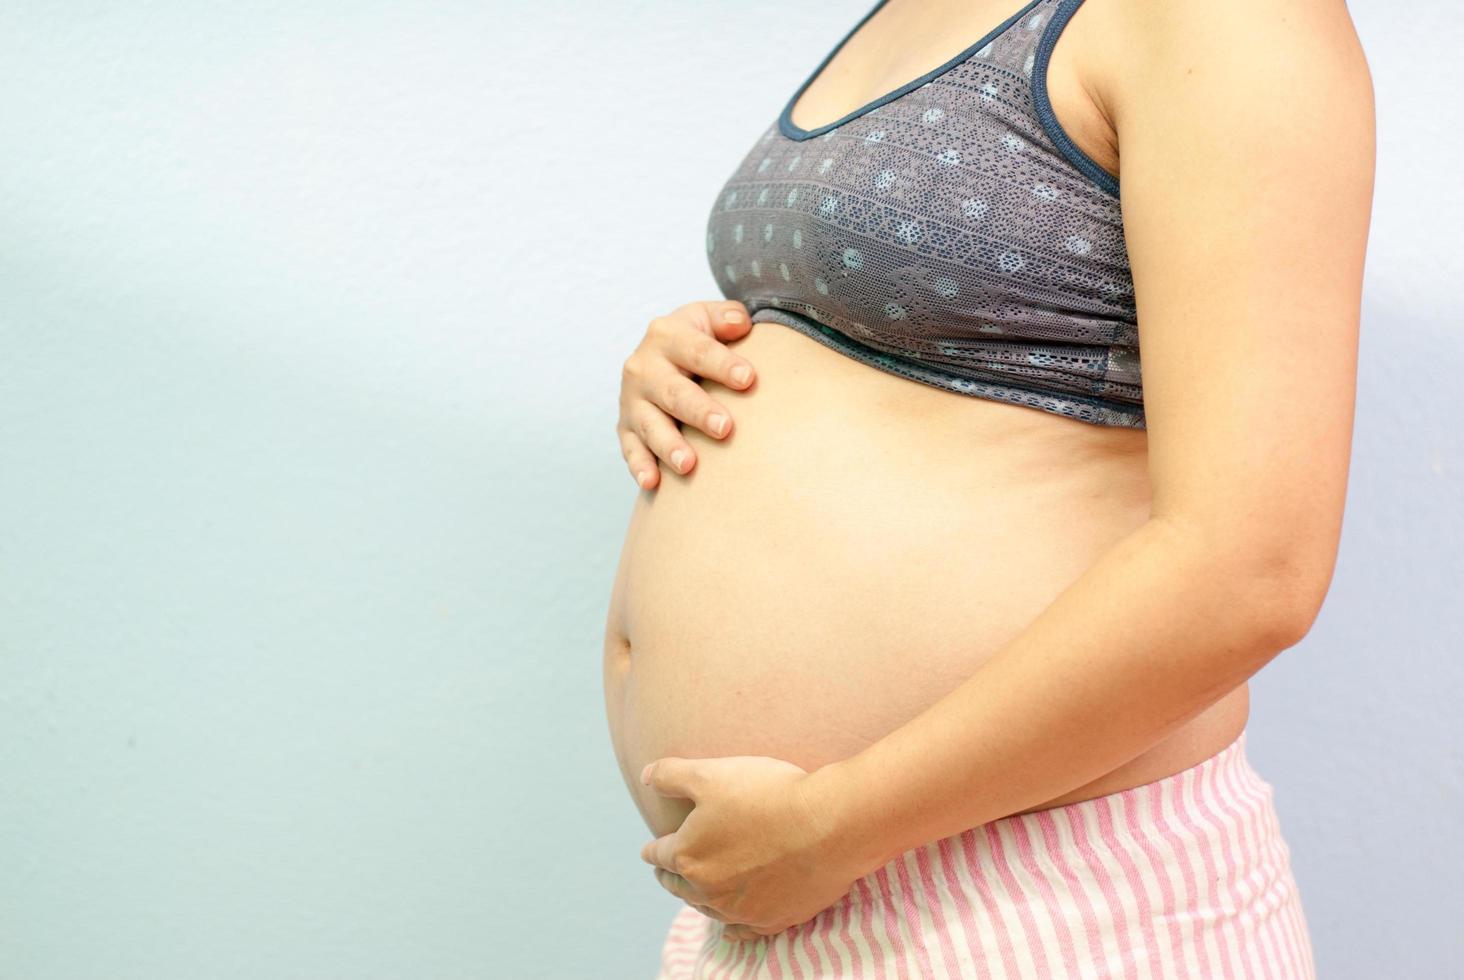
{"points": [[839, 800]]}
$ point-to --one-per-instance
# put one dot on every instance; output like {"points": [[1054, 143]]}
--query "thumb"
{"points": [[673, 776]]}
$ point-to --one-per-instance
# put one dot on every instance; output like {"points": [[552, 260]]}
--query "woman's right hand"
{"points": [[658, 385]]}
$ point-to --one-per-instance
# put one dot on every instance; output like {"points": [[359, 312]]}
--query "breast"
{"points": [[945, 229], [852, 552]]}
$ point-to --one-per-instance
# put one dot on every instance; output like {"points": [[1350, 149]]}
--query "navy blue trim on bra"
{"points": [[1102, 411], [1045, 116], [785, 121]]}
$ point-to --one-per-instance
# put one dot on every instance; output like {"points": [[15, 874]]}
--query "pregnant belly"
{"points": [[852, 552]]}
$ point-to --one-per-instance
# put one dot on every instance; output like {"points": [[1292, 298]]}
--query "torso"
{"points": [[861, 543]]}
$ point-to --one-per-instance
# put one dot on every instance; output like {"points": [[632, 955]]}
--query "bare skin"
{"points": [[860, 545]]}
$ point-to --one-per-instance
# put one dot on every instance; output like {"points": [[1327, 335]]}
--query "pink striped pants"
{"points": [[1187, 876]]}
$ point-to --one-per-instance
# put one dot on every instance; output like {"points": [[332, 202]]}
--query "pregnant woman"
{"points": [[927, 655]]}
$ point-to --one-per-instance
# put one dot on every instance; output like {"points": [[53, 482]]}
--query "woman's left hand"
{"points": [[758, 848]]}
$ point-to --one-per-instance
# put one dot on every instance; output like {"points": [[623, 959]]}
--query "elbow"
{"points": [[1275, 585], [1287, 585]]}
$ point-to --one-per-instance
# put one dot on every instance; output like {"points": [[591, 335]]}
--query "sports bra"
{"points": [[949, 231]]}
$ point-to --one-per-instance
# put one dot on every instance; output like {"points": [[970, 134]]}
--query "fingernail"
{"points": [[678, 460], [644, 772], [740, 374], [644, 479], [717, 423], [731, 316]]}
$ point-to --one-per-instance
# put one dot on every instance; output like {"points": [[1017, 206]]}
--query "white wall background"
{"points": [[310, 323]]}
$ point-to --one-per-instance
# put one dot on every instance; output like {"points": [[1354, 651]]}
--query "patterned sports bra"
{"points": [[949, 231]]}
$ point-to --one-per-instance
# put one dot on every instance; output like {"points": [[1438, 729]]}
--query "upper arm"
{"points": [[1246, 143]]}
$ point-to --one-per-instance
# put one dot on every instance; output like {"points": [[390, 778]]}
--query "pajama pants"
{"points": [[1184, 877]]}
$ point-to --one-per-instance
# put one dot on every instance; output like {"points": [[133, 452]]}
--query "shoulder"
{"points": [[1135, 52]]}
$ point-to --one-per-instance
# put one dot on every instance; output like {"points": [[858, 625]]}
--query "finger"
{"points": [[660, 434], [674, 777], [725, 319], [688, 401], [639, 460], [679, 886], [661, 853], [740, 933], [703, 352], [708, 911], [682, 398], [730, 320]]}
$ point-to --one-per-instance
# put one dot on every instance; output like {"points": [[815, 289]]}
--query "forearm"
{"points": [[1157, 629]]}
